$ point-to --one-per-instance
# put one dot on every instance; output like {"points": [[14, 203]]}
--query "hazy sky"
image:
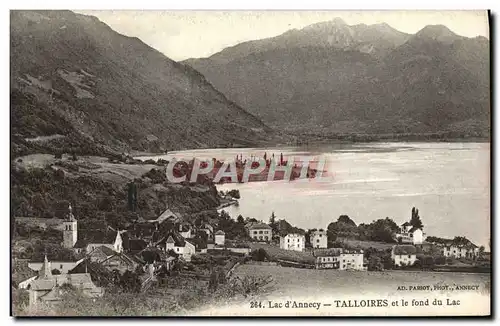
{"points": [[187, 34]]}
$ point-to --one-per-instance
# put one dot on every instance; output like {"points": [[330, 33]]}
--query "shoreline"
{"points": [[145, 154]]}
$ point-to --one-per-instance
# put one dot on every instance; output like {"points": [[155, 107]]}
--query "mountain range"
{"points": [[78, 86], [373, 79]]}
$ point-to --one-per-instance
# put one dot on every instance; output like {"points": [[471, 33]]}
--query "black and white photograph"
{"points": [[269, 163]]}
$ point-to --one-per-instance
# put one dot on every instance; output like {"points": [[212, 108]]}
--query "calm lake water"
{"points": [[448, 182]]}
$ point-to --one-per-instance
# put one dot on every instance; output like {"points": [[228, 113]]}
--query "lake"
{"points": [[448, 182]]}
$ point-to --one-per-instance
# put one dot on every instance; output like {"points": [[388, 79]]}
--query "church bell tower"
{"points": [[70, 232]]}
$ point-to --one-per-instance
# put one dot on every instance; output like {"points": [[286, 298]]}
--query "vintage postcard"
{"points": [[250, 163]]}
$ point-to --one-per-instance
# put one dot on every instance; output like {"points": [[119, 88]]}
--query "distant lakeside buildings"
{"points": [[118, 250]]}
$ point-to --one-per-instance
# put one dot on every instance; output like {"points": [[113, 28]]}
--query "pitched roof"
{"points": [[168, 213], [405, 224], [293, 232], [259, 226], [179, 240], [106, 250], [220, 232], [404, 250], [43, 284], [328, 252]]}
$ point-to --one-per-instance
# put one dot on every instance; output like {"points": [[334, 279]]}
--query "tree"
{"points": [[375, 263], [260, 255], [481, 251], [346, 220], [55, 271], [240, 220], [272, 219], [235, 193], [415, 220]]}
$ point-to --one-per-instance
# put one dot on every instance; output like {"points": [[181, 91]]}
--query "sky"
{"points": [[197, 34]]}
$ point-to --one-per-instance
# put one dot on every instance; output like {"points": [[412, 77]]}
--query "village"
{"points": [[169, 245]]}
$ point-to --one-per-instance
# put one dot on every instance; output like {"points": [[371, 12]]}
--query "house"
{"points": [[404, 255], [352, 260], [220, 238], [168, 214], [469, 250], [208, 229], [260, 232], [406, 227], [318, 239], [174, 241], [293, 241], [112, 260], [48, 288], [328, 259], [418, 236], [410, 234], [185, 229], [341, 259], [115, 244]]}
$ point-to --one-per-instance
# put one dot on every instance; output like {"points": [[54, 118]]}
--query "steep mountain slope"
{"points": [[72, 75], [361, 79]]}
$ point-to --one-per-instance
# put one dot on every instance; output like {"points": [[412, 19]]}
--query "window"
{"points": [[317, 240], [409, 256], [260, 237], [288, 240], [260, 232]]}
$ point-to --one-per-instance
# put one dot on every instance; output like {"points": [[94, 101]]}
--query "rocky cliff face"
{"points": [[73, 76], [359, 79]]}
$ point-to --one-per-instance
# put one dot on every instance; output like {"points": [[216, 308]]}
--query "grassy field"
{"points": [[359, 244], [294, 281], [275, 253]]}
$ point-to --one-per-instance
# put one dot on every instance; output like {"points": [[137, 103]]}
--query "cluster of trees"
{"points": [[378, 259], [234, 229], [380, 230]]}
